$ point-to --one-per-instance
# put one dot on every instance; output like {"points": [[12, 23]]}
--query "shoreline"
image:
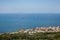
{"points": [[37, 30]]}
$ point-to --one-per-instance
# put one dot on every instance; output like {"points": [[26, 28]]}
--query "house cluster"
{"points": [[39, 29]]}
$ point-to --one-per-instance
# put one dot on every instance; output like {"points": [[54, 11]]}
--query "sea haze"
{"points": [[14, 22]]}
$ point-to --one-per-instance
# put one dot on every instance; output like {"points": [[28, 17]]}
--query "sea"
{"points": [[13, 22]]}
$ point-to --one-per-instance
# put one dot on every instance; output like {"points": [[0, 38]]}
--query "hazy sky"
{"points": [[29, 6]]}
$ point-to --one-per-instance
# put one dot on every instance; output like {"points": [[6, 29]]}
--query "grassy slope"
{"points": [[35, 36]]}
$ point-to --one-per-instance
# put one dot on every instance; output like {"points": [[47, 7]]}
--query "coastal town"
{"points": [[38, 33], [38, 30]]}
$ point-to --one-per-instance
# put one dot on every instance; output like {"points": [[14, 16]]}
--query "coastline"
{"points": [[38, 33], [37, 30]]}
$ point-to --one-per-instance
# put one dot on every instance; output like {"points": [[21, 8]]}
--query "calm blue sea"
{"points": [[13, 22]]}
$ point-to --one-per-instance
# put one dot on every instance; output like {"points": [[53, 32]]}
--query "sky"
{"points": [[29, 6]]}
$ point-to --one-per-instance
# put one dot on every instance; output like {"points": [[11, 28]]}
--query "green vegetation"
{"points": [[34, 36]]}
